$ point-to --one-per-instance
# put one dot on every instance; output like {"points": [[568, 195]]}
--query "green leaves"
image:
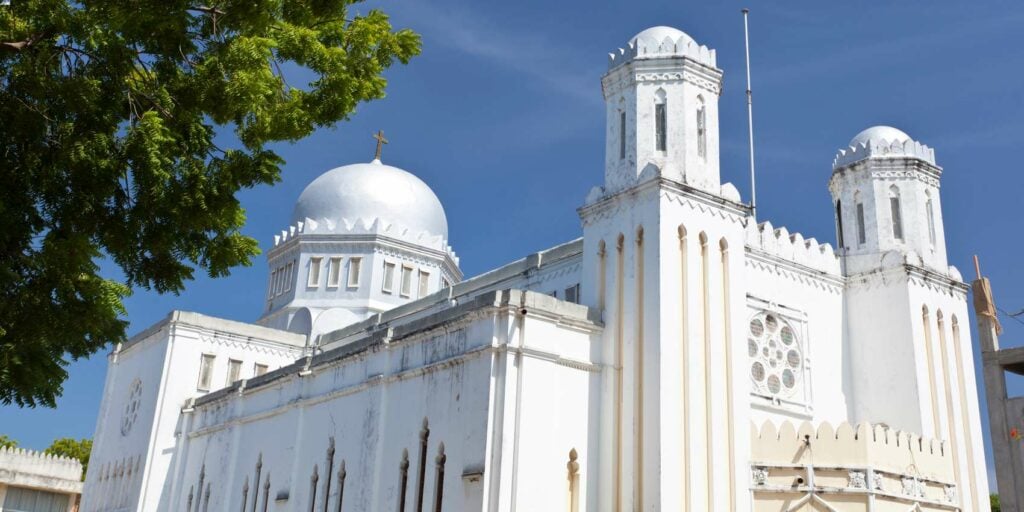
{"points": [[73, 449], [109, 110]]}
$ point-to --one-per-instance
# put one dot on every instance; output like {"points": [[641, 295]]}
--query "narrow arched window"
{"points": [[266, 493], [839, 224], [660, 121], [327, 474], [424, 437], [702, 129], [930, 212], [313, 480], [439, 478], [897, 215], [341, 486], [403, 479], [245, 493], [256, 482]]}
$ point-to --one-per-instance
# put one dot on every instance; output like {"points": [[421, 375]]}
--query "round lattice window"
{"points": [[131, 407], [776, 361]]}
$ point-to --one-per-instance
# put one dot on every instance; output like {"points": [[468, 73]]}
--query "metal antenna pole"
{"points": [[750, 118]]}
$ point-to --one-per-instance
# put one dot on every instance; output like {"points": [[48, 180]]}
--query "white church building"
{"points": [[678, 355]]}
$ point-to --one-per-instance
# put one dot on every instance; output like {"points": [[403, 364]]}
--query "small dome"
{"points": [[373, 191], [879, 133], [661, 32]]}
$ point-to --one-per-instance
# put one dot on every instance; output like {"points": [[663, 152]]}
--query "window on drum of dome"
{"points": [[424, 284], [259, 369], [334, 272], [234, 371], [206, 371], [288, 277], [354, 265], [313, 281], [406, 289], [776, 356], [389, 277]]}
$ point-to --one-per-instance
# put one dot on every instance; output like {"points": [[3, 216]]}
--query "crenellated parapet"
{"points": [[843, 467], [30, 468], [885, 149], [357, 227], [645, 47], [792, 247]]}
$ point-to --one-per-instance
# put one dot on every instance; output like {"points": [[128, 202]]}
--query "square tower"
{"points": [[661, 96]]}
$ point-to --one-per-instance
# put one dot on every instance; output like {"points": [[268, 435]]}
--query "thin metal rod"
{"points": [[750, 117]]}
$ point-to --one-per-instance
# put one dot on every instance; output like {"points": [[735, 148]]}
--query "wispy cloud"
{"points": [[549, 63], [887, 51]]}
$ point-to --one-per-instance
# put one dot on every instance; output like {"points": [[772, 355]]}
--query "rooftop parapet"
{"points": [[30, 468], [364, 227], [881, 148], [792, 247]]}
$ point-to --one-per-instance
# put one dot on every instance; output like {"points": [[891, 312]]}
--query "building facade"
{"points": [[679, 355]]}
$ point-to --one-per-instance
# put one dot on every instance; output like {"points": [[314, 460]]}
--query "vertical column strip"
{"points": [[684, 370], [709, 444], [727, 339], [638, 406], [965, 416]]}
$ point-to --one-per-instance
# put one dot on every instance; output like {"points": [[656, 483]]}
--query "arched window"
{"points": [[930, 212], [702, 129], [897, 216], [622, 134], [660, 121], [862, 235], [839, 224]]}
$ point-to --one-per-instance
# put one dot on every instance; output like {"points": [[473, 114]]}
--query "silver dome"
{"points": [[373, 191]]}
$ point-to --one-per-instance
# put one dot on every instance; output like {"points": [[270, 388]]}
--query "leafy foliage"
{"points": [[72, 448], [109, 110], [994, 502], [6, 442]]}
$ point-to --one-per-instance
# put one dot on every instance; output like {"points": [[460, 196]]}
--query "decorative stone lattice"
{"points": [[759, 476], [858, 480], [912, 487], [776, 359]]}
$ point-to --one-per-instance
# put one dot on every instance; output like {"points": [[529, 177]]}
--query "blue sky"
{"points": [[502, 115]]}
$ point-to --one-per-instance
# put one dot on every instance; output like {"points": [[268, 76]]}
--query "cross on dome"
{"points": [[380, 143]]}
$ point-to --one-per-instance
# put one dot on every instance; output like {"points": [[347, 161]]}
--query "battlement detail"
{"points": [[883, 149], [364, 227], [20, 462], [648, 48], [792, 247]]}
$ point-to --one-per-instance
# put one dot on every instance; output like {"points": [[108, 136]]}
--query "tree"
{"points": [[6, 442], [994, 502], [73, 449], [109, 111]]}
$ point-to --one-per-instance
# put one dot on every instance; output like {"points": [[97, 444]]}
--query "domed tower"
{"points": [[661, 96], [885, 189], [904, 304], [364, 238]]}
